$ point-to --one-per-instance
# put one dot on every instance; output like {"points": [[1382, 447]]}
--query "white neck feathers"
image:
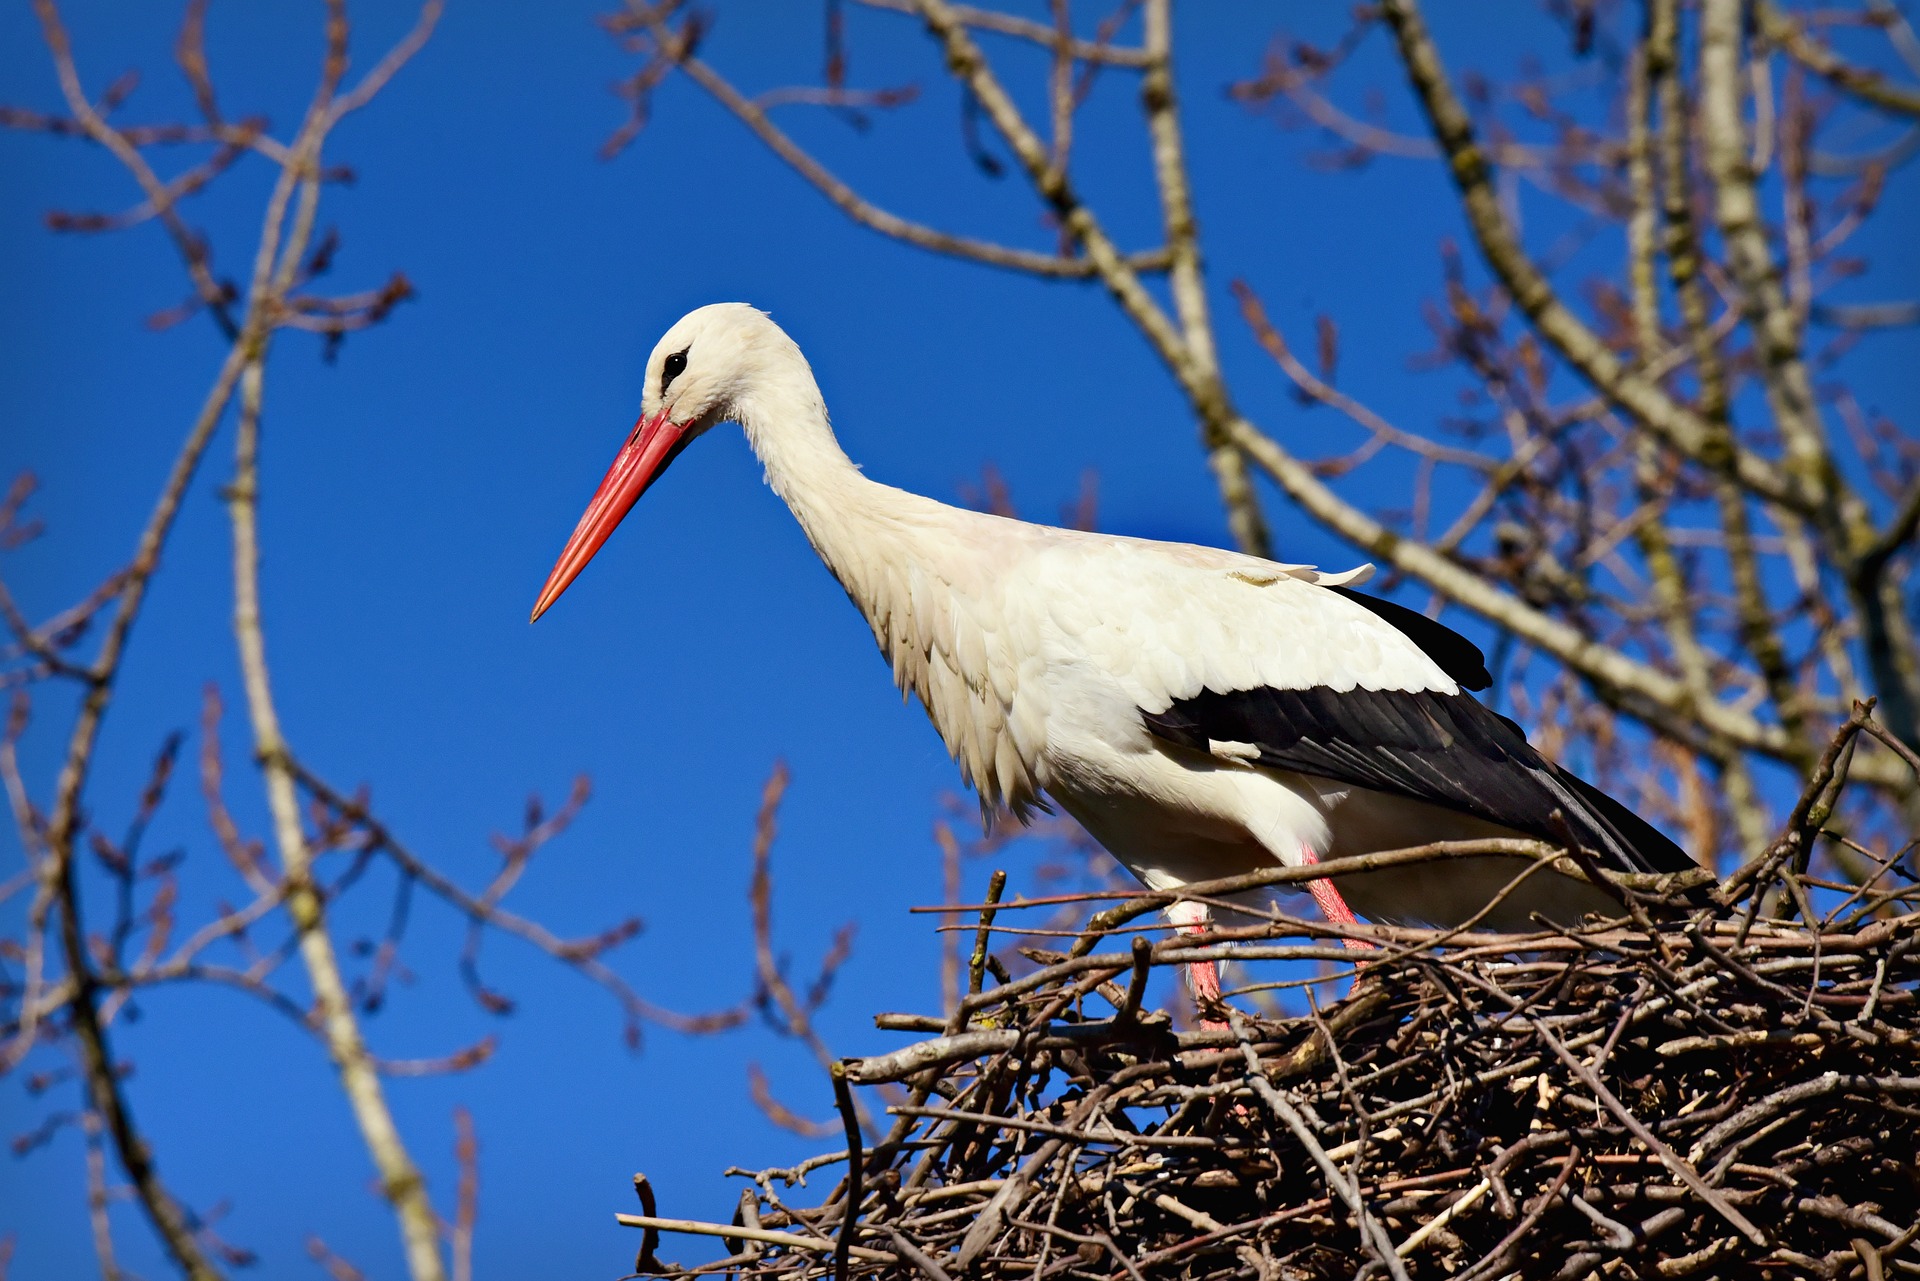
{"points": [[918, 570]]}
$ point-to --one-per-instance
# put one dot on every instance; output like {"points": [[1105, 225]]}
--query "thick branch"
{"points": [[1189, 285], [1642, 691], [400, 1178], [63, 831], [1868, 86], [283, 248], [1675, 424], [1192, 365], [1737, 208]]}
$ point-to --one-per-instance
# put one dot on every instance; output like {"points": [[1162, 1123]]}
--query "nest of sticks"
{"points": [[1702, 1087]]}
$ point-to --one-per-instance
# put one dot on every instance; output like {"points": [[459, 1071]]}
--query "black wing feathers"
{"points": [[1445, 749], [1656, 851], [1457, 656]]}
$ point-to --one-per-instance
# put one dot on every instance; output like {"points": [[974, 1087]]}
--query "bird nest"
{"points": [[1690, 1090]]}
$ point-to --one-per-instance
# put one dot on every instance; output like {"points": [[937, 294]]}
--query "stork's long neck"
{"points": [[922, 572], [872, 536]]}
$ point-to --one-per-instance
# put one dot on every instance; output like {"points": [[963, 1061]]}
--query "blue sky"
{"points": [[417, 490]]}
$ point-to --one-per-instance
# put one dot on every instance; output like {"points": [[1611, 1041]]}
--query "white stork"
{"points": [[1200, 712]]}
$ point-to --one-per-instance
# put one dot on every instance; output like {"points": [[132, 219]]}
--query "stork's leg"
{"points": [[1327, 896], [1203, 977]]}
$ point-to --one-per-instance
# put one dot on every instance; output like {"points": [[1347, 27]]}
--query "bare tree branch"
{"points": [[1868, 86]]}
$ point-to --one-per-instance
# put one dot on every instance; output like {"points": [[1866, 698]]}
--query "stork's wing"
{"points": [[1307, 676], [1443, 748]]}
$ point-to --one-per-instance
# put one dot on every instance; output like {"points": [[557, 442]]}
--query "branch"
{"points": [[192, 249], [283, 248], [1640, 689], [1868, 86], [400, 1178], [577, 953], [1898, 533], [1737, 208], [1676, 425], [776, 993], [1007, 24], [58, 880], [678, 49], [1189, 287]]}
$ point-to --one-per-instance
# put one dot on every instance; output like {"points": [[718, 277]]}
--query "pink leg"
{"points": [[1203, 977], [1331, 905], [1203, 980]]}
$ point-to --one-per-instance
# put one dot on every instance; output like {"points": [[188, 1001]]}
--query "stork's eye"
{"points": [[675, 366]]}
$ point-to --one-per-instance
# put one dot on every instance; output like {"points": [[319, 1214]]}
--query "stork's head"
{"points": [[698, 374]]}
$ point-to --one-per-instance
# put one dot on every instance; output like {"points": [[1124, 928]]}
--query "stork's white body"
{"points": [[1035, 650], [1057, 665]]}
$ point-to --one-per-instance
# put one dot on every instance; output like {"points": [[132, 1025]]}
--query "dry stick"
{"points": [[1141, 904], [1021, 1217], [1129, 1012], [956, 1048], [1014, 1190], [1377, 1242], [856, 1168], [1782, 1100], [1496, 1260], [1680, 1168], [977, 963], [1114, 1138], [791, 1240], [1810, 814], [916, 1256], [644, 1261]]}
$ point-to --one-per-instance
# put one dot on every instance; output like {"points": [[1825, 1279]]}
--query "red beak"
{"points": [[655, 442]]}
